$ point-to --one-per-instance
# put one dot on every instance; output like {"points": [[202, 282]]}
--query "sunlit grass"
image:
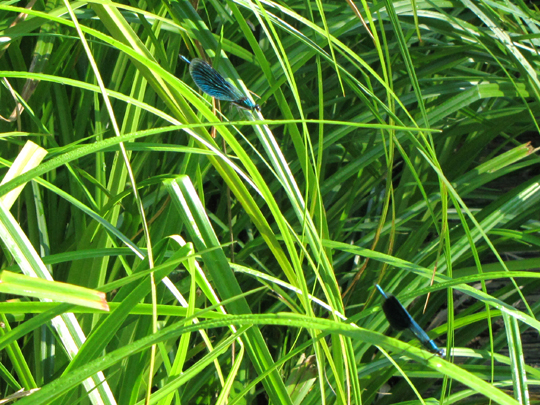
{"points": [[378, 157]]}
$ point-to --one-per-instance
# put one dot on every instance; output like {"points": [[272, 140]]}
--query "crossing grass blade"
{"points": [[386, 203]]}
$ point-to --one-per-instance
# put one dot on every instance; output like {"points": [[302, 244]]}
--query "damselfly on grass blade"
{"points": [[399, 318], [212, 83]]}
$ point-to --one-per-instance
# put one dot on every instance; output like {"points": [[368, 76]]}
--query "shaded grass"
{"points": [[376, 159]]}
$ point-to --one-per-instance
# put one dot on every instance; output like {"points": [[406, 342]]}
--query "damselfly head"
{"points": [[246, 104]]}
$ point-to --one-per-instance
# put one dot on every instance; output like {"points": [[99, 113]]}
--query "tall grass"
{"points": [[238, 251]]}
